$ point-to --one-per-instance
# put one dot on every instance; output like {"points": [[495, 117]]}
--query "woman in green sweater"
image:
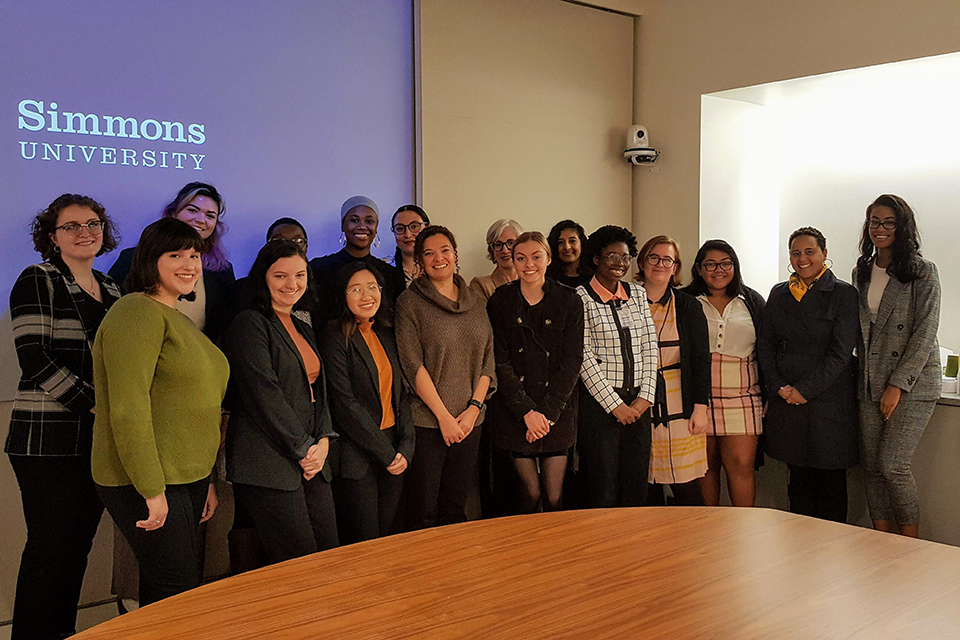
{"points": [[159, 385]]}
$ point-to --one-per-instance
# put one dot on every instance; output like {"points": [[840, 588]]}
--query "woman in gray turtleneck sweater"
{"points": [[446, 352]]}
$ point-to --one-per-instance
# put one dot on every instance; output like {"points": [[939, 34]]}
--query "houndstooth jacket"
{"points": [[51, 411], [619, 347]]}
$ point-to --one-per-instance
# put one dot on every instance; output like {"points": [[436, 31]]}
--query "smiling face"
{"points": [[807, 258], [721, 275], [439, 258], [568, 246], [359, 227], [613, 262], [363, 295], [290, 232], [503, 252], [287, 280], [882, 238], [179, 271], [411, 224], [659, 275], [530, 260], [76, 242], [202, 214]]}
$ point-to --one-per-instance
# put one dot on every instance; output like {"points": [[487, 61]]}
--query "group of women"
{"points": [[355, 397]]}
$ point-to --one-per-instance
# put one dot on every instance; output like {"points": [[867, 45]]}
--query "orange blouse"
{"points": [[384, 373]]}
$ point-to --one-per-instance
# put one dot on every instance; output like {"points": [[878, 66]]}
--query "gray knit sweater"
{"points": [[453, 341]]}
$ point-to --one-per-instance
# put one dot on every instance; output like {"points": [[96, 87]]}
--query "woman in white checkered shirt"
{"points": [[618, 373]]}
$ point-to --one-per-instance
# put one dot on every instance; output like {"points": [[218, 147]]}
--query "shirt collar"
{"points": [[664, 299], [605, 295]]}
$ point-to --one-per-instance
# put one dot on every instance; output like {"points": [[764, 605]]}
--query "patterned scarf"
{"points": [[797, 286]]}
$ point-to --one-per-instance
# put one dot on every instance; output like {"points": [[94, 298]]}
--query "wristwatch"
{"points": [[476, 403]]}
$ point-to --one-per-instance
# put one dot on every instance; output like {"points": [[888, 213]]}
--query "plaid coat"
{"points": [[620, 350], [51, 411]]}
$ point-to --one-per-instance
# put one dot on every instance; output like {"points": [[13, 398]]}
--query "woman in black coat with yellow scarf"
{"points": [[809, 331], [370, 407]]}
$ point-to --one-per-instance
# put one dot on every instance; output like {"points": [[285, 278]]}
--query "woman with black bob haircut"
{"points": [[900, 362], [211, 307], [619, 375], [734, 417], [56, 307], [807, 337], [369, 405], [160, 383], [280, 428], [568, 240]]}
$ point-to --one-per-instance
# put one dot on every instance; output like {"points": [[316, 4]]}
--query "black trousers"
{"points": [[290, 524], [614, 458], [367, 506], [685, 494], [167, 557], [62, 511], [821, 493], [440, 478]]}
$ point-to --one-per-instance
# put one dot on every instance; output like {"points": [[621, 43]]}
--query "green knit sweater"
{"points": [[159, 383]]}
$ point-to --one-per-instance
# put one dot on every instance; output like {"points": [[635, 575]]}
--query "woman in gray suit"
{"points": [[900, 358]]}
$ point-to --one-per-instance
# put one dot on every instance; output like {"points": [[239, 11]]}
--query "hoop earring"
{"points": [[790, 270], [56, 248], [343, 237], [828, 266], [376, 241]]}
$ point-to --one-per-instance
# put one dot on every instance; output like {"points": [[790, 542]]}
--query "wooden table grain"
{"points": [[668, 572]]}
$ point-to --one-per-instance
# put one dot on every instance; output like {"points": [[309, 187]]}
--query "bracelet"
{"points": [[476, 403]]}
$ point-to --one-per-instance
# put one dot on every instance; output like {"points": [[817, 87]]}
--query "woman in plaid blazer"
{"points": [[56, 307], [618, 373]]}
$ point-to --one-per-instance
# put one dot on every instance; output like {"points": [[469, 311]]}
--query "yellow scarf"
{"points": [[798, 288]]}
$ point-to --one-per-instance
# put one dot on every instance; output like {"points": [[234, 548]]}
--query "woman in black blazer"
{"points": [[201, 206], [538, 343], [56, 308], [809, 331], [280, 428], [370, 408]]}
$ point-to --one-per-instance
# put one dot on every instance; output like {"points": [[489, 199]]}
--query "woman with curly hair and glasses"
{"points": [[56, 308], [900, 366]]}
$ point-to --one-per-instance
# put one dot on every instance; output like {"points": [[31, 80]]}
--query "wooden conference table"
{"points": [[669, 572]]}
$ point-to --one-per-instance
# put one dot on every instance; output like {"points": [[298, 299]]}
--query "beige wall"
{"points": [[686, 48], [525, 107]]}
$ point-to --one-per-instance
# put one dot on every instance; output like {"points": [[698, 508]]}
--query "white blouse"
{"points": [[878, 282], [732, 333], [196, 310]]}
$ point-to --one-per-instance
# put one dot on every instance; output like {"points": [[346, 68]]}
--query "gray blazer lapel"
{"points": [[889, 300], [367, 357]]}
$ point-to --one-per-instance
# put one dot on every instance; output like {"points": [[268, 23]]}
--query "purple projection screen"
{"points": [[287, 107]]}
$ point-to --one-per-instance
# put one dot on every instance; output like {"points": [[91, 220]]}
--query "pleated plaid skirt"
{"points": [[735, 404]]}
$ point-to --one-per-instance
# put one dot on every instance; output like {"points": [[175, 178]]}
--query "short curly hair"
{"points": [[604, 237], [45, 224], [813, 232], [428, 232]]}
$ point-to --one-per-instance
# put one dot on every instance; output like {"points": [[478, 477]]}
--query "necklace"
{"points": [[91, 290]]}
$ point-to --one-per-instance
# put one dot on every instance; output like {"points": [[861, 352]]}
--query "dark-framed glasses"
{"points": [[300, 242], [710, 266], [413, 227], [500, 246], [94, 227], [653, 260], [361, 290], [615, 259], [889, 225]]}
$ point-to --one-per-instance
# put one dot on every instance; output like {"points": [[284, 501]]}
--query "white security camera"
{"points": [[638, 149]]}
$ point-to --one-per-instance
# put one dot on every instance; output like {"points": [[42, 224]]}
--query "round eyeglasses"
{"points": [[653, 260], [413, 227], [94, 227]]}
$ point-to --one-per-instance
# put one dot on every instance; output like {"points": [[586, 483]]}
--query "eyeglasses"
{"points": [[500, 246], [95, 227], [300, 242], [711, 266], [889, 225], [413, 227], [359, 292], [653, 260], [615, 259]]}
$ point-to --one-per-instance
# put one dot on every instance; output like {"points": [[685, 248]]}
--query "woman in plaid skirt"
{"points": [[733, 313]]}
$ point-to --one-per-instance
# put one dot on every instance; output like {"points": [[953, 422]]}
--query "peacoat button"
{"points": [[519, 320], [899, 327], [520, 350], [548, 321], [896, 353], [547, 383], [521, 378]]}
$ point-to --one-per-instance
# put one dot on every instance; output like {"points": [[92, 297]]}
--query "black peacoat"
{"points": [[537, 366], [354, 386], [809, 345]]}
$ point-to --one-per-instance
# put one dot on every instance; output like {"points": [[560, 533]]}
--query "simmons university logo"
{"points": [[34, 116]]}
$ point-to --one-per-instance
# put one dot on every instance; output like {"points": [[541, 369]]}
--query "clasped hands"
{"points": [[455, 430], [316, 457], [630, 413]]}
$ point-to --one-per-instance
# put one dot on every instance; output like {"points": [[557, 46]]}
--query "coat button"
{"points": [[899, 327], [520, 350], [548, 321], [547, 383], [896, 353], [521, 378], [519, 320]]}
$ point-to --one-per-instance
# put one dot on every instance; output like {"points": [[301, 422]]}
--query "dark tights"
{"points": [[540, 486]]}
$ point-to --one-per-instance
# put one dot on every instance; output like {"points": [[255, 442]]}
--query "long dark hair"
{"points": [[906, 262], [214, 254], [397, 255], [698, 286], [259, 292], [427, 233], [557, 267], [160, 237], [346, 321]]}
